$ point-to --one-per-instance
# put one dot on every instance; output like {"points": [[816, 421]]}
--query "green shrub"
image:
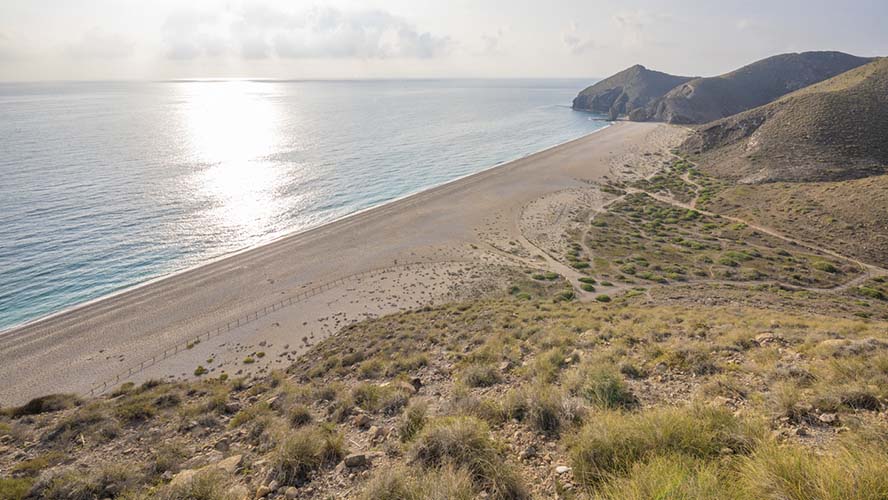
{"points": [[135, 410], [465, 443], [167, 457], [670, 476], [299, 415], [602, 386], [871, 293], [827, 267], [14, 488], [45, 404], [212, 484], [304, 451], [544, 409], [481, 375], [400, 483], [90, 421], [413, 420], [103, 482], [603, 298], [36, 465], [797, 473], [587, 287], [613, 442], [371, 369], [387, 399]]}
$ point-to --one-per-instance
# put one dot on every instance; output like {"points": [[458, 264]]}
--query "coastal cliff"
{"points": [[627, 91]]}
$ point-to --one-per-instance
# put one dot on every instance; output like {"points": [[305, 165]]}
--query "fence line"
{"points": [[302, 296]]}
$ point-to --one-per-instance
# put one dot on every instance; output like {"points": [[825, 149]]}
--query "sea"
{"points": [[105, 185]]}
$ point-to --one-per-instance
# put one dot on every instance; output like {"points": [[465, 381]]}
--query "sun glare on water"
{"points": [[232, 129]]}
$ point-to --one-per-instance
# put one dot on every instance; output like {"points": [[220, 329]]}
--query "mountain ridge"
{"points": [[832, 130], [641, 94]]}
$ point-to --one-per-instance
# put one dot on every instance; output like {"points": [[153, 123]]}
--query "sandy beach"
{"points": [[271, 303]]}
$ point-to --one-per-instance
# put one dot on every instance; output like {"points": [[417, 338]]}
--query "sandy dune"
{"points": [[443, 244]]}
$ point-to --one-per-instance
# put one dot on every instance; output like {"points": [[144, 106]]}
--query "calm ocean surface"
{"points": [[106, 185]]}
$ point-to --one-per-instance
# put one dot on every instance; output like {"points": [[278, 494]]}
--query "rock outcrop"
{"points": [[629, 91]]}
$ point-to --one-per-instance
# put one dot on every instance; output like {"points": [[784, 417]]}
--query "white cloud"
{"points": [[492, 44], [639, 27], [748, 25], [318, 33], [189, 34], [576, 42], [10, 48], [98, 44]]}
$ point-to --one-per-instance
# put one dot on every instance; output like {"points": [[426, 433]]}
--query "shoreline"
{"points": [[451, 234], [288, 234]]}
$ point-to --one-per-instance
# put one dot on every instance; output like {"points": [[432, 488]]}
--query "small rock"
{"points": [[182, 478], [562, 469], [767, 338], [291, 493], [222, 445], [721, 401], [238, 491], [262, 492], [828, 418], [356, 460], [361, 420], [273, 486], [229, 464], [407, 387], [529, 452], [416, 383]]}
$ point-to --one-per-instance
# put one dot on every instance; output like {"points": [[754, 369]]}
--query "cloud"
{"points": [[492, 44], [10, 48], [749, 25], [637, 28], [260, 32], [189, 34], [98, 44], [370, 34], [576, 42]]}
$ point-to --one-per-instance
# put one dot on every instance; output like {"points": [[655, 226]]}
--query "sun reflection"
{"points": [[232, 128]]}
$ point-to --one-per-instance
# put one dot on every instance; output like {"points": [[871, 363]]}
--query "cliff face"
{"points": [[833, 130], [627, 91], [703, 100]]}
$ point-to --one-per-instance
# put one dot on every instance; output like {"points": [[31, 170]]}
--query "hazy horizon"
{"points": [[54, 40]]}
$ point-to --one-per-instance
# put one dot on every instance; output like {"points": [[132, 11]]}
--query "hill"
{"points": [[833, 130], [631, 89], [706, 99]]}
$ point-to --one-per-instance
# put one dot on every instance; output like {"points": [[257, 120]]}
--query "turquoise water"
{"points": [[106, 185]]}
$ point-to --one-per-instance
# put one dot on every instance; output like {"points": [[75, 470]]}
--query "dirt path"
{"points": [[868, 271]]}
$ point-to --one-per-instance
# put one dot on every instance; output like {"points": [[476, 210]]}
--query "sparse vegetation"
{"points": [[462, 400]]}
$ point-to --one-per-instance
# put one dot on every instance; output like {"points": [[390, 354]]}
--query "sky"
{"points": [[349, 39]]}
